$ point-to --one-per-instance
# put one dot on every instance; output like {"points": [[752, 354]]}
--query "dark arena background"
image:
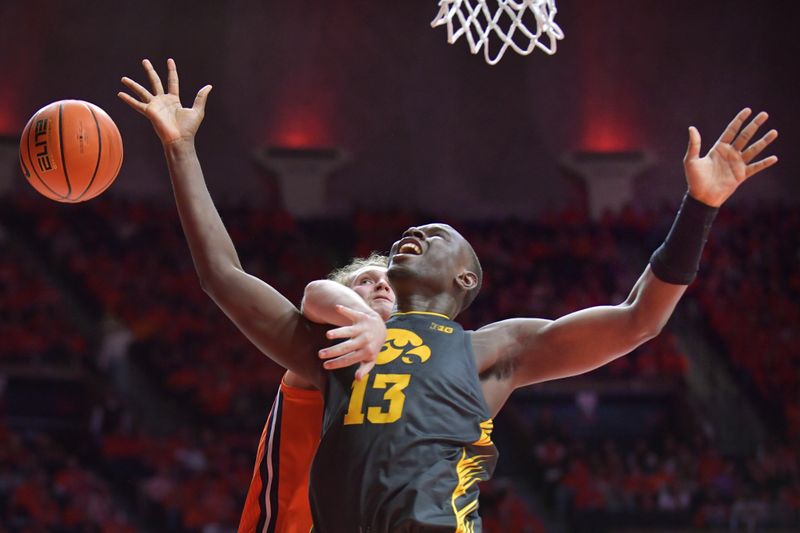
{"points": [[128, 401]]}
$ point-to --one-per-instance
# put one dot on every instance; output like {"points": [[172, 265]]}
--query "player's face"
{"points": [[434, 252], [372, 285]]}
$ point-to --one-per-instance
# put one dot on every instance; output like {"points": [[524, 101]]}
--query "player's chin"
{"points": [[383, 307], [401, 264]]}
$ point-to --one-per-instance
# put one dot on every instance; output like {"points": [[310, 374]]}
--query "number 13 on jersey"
{"points": [[394, 383]]}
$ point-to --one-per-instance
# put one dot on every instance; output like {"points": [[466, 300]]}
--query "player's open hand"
{"points": [[171, 120], [713, 178], [365, 338]]}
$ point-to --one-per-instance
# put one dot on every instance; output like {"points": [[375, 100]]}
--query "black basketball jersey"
{"points": [[403, 449]]}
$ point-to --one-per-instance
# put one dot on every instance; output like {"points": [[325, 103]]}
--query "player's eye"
{"points": [[438, 233], [365, 281]]}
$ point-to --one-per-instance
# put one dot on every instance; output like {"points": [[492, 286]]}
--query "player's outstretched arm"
{"points": [[526, 351], [268, 319], [329, 302], [519, 352]]}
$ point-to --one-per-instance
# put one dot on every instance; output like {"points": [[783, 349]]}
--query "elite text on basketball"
{"points": [[40, 138]]}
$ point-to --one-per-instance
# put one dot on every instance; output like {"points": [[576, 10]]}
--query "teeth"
{"points": [[410, 248]]}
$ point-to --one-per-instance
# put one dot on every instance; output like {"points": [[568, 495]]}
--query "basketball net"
{"points": [[511, 21]]}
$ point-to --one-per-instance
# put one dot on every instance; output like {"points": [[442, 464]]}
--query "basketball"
{"points": [[70, 151]]}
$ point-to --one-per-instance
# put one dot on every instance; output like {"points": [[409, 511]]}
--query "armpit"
{"points": [[503, 369]]}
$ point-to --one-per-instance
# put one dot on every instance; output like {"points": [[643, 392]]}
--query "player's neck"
{"points": [[442, 304]]}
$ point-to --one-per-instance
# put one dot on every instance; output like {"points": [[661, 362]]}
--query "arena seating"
{"points": [[750, 291], [131, 262]]}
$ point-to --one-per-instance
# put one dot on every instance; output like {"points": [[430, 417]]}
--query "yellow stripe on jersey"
{"points": [[486, 434], [440, 315], [469, 470]]}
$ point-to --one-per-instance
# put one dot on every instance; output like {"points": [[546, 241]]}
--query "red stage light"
{"points": [[300, 126]]}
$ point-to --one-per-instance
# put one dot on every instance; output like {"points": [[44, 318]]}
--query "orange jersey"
{"points": [[277, 500]]}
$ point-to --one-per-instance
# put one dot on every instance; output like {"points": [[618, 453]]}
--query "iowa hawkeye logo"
{"points": [[403, 342]]}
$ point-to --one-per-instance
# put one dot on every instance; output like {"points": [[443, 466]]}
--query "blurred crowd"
{"points": [[130, 265], [26, 298], [665, 480], [755, 311], [46, 487]]}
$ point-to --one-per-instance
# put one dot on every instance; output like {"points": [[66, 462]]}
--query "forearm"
{"points": [[582, 341], [673, 266], [677, 260], [211, 247], [650, 304], [321, 298], [362, 329], [616, 330], [593, 337]]}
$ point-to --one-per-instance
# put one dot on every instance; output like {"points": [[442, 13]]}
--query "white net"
{"points": [[522, 25]]}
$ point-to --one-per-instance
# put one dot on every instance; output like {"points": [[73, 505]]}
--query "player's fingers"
{"points": [[733, 128], [337, 350], [693, 148], [133, 102], [200, 99], [173, 86], [143, 94], [152, 75], [350, 313], [364, 369], [758, 166], [343, 361], [344, 332], [757, 147], [749, 131]]}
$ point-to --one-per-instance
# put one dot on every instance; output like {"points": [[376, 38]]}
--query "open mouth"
{"points": [[409, 246]]}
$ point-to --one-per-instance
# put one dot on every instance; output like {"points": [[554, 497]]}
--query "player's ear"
{"points": [[467, 280]]}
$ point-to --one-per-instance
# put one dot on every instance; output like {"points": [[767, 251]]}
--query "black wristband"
{"points": [[678, 259]]}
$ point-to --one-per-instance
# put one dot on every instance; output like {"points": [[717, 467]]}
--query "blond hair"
{"points": [[346, 274]]}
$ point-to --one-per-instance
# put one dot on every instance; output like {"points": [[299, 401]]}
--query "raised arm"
{"points": [[519, 352], [268, 319]]}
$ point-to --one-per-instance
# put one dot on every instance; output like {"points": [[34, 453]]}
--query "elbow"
{"points": [[213, 280], [314, 291], [212, 288], [207, 285], [313, 294], [651, 332], [208, 278], [316, 287], [645, 326], [648, 329]]}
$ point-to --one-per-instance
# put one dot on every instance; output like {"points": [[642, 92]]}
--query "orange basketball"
{"points": [[70, 151]]}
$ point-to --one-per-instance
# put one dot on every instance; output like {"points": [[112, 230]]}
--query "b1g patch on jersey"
{"points": [[443, 329]]}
